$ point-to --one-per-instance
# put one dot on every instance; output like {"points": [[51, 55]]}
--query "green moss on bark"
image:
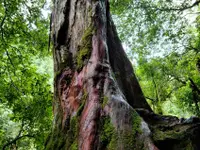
{"points": [[66, 139], [85, 48], [59, 140], [72, 134], [56, 137], [129, 139], [161, 134], [105, 100], [83, 100], [107, 134], [112, 139]]}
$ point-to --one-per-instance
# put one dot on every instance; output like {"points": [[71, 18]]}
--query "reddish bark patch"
{"points": [[71, 92]]}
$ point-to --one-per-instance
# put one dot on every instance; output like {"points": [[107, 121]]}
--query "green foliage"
{"points": [[148, 26], [25, 92], [163, 39], [167, 79]]}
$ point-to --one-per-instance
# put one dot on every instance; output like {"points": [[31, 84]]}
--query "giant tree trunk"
{"points": [[95, 89]]}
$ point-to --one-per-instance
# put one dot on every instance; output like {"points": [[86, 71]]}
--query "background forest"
{"points": [[161, 38]]}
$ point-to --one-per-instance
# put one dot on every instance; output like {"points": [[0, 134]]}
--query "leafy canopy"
{"points": [[25, 92], [162, 39]]}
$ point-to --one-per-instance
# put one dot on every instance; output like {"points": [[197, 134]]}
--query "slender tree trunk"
{"points": [[95, 88]]}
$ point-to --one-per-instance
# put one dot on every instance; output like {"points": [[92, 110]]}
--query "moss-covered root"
{"points": [[178, 137]]}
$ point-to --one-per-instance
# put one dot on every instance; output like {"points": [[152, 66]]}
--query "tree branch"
{"points": [[179, 9], [150, 98], [194, 86], [3, 20], [16, 139]]}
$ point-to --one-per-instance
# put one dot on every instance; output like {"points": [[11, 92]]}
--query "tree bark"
{"points": [[95, 88]]}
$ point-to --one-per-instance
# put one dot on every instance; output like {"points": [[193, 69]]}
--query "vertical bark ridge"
{"points": [[123, 70]]}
